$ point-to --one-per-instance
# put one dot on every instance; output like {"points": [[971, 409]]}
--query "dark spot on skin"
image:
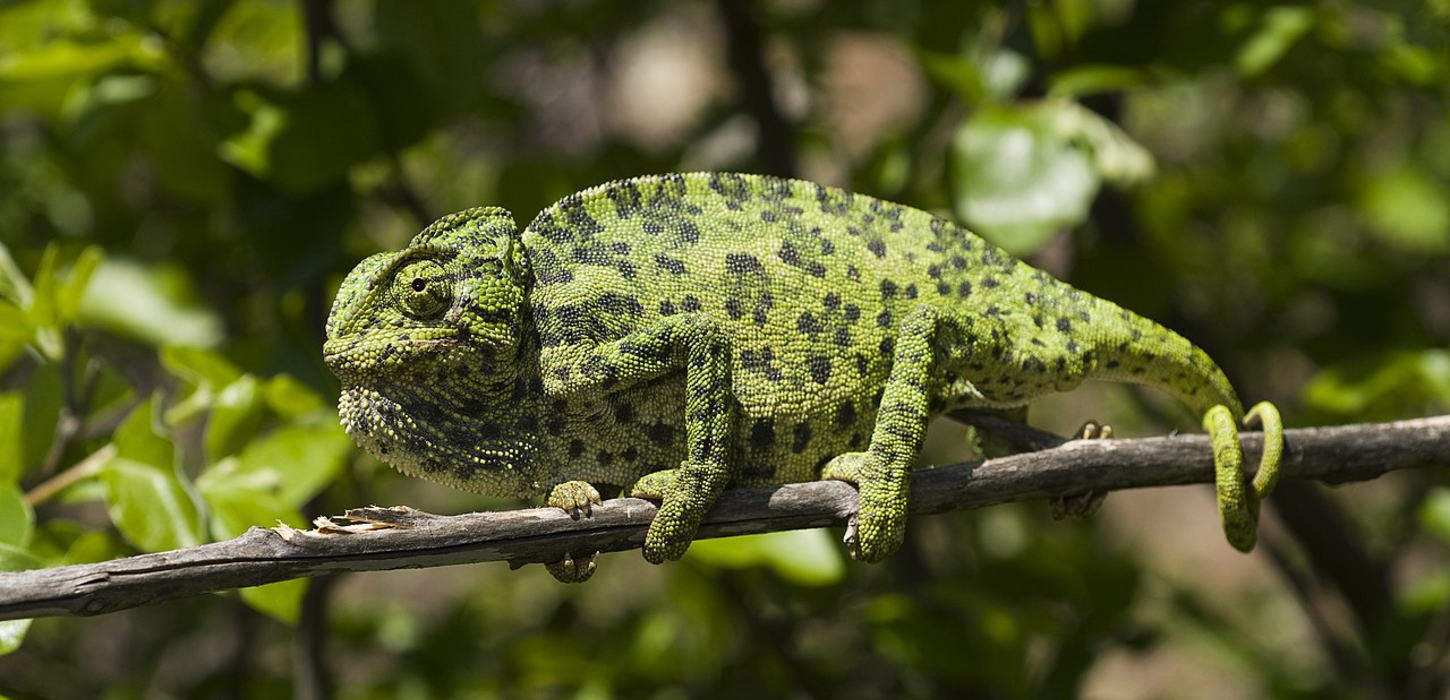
{"points": [[630, 454], [788, 254], [1064, 325], [910, 291], [846, 414], [762, 434], [807, 323], [989, 282], [933, 270], [732, 307], [843, 336], [883, 319], [576, 448], [801, 439], [819, 367], [667, 308], [943, 288], [623, 412], [877, 247], [887, 347], [853, 313], [742, 262], [964, 289], [605, 458], [862, 364], [832, 301], [888, 289], [690, 303], [670, 264], [662, 434]]}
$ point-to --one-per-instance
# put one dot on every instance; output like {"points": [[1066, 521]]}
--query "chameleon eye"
{"points": [[424, 289]]}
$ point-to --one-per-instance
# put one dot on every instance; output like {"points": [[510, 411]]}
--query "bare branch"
{"points": [[392, 538]]}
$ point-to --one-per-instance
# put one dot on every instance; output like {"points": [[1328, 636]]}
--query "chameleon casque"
{"points": [[671, 335]]}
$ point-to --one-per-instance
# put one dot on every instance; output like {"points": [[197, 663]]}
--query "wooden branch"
{"points": [[374, 538]]}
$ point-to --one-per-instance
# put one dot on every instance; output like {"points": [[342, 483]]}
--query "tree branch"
{"points": [[393, 538]]}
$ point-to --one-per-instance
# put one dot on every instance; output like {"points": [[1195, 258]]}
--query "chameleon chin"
{"points": [[674, 334]]}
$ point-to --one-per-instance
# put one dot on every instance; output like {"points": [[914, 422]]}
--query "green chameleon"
{"points": [[675, 334]]}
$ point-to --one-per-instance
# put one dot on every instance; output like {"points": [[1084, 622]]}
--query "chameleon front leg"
{"points": [[694, 344], [882, 473], [1238, 499]]}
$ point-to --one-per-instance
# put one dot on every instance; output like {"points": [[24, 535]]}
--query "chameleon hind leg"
{"points": [[1238, 498], [575, 498], [882, 473]]}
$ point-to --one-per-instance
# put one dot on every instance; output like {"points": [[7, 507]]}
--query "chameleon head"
{"points": [[418, 337]]}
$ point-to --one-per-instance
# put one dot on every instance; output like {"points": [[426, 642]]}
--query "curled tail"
{"points": [[1131, 348]]}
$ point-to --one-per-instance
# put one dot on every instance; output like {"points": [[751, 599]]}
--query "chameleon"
{"points": [[671, 335]]}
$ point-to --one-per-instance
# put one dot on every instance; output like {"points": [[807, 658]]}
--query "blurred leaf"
{"points": [[1408, 210], [145, 494], [16, 517], [304, 141], [154, 305], [1092, 79], [1115, 156], [43, 77], [1017, 182], [299, 459], [199, 367], [13, 283], [291, 399], [1393, 385], [12, 437], [1281, 28], [69, 294], [803, 557], [281, 601], [235, 415], [12, 632], [979, 73], [1435, 513], [43, 304]]}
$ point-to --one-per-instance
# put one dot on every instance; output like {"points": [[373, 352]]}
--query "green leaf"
{"points": [[199, 367], [16, 518], [69, 294], [1281, 28], [13, 284], [804, 557], [1408, 210], [12, 632], [236, 413], [1435, 513], [299, 459], [43, 304], [153, 304], [1392, 385], [12, 437], [292, 399], [1095, 78], [145, 494], [281, 601], [1017, 181]]}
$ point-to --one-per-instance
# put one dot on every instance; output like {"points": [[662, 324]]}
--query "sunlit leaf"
{"points": [[236, 413], [16, 517], [12, 446], [12, 632], [292, 399], [13, 284], [1281, 28], [199, 366], [1392, 385], [301, 458], [145, 494], [151, 304], [1018, 182], [281, 601], [804, 557], [69, 293], [1408, 209], [1435, 513]]}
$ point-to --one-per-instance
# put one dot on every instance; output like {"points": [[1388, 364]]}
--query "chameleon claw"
{"points": [[571, 570], [1084, 504], [575, 498]]}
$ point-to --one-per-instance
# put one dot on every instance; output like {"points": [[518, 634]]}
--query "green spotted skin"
{"points": [[674, 335]]}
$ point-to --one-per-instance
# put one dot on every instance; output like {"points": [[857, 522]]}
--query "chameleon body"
{"points": [[672, 335]]}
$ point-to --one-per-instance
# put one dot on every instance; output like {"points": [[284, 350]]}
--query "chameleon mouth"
{"points": [[353, 358]]}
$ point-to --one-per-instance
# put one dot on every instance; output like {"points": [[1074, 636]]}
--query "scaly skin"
{"points": [[672, 335]]}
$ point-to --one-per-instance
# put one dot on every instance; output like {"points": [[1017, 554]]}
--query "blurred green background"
{"points": [[183, 184]]}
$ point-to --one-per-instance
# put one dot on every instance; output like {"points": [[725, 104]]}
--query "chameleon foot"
{"points": [[1082, 505], [879, 525], [685, 497], [1238, 498], [571, 570], [575, 497]]}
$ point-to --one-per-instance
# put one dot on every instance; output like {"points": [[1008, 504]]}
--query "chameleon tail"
{"points": [[1152, 354]]}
